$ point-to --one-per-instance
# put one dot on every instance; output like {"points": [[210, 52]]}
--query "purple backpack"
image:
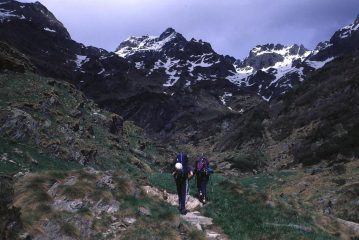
{"points": [[202, 164]]}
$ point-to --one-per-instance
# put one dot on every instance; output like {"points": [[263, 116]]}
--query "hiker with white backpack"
{"points": [[182, 173]]}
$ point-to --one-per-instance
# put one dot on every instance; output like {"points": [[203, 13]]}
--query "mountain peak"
{"points": [[278, 49], [348, 30], [167, 32], [146, 43], [24, 12]]}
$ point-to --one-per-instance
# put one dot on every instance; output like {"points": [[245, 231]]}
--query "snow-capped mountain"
{"points": [[182, 62], [33, 30], [272, 69], [169, 59]]}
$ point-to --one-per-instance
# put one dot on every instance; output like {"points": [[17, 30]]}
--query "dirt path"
{"points": [[194, 217]]}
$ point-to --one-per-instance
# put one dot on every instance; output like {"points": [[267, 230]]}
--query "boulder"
{"points": [[142, 211], [19, 125]]}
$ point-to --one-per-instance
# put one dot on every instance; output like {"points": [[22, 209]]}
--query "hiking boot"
{"points": [[183, 212], [200, 196]]}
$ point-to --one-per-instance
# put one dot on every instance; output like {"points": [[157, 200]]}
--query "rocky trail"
{"points": [[193, 217]]}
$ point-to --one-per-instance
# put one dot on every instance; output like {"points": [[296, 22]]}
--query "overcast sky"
{"points": [[231, 26]]}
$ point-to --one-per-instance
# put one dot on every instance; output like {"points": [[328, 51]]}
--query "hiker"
{"points": [[182, 173], [202, 172]]}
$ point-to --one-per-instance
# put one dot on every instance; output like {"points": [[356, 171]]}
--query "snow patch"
{"points": [[140, 65], [172, 73], [170, 70], [348, 30], [281, 69], [239, 79], [80, 60], [319, 64], [49, 30], [5, 14], [224, 96], [321, 47], [198, 63], [102, 71], [285, 52], [266, 98], [244, 72]]}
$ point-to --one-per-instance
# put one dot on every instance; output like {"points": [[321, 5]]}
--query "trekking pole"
{"points": [[211, 185]]}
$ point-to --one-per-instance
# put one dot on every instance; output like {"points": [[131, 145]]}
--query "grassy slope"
{"points": [[37, 205], [243, 213], [57, 140], [31, 94]]}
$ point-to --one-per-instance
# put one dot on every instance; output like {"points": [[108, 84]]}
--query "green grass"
{"points": [[261, 182], [18, 159], [243, 214], [32, 94]]}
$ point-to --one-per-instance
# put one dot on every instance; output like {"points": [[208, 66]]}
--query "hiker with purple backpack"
{"points": [[202, 171]]}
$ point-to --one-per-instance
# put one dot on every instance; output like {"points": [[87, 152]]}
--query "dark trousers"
{"points": [[182, 188], [202, 181]]}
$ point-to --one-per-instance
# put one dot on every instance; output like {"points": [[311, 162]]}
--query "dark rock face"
{"points": [[343, 42], [13, 60], [313, 124], [36, 33], [328, 100], [116, 125]]}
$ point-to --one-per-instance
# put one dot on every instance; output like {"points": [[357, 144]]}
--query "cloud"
{"points": [[231, 26]]}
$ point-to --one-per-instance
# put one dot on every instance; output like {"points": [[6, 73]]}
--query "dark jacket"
{"points": [[182, 158]]}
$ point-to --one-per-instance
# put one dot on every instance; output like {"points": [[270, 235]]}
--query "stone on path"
{"points": [[197, 218], [193, 217], [191, 204]]}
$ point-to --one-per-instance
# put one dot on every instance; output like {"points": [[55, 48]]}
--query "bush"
{"points": [[70, 230], [248, 161]]}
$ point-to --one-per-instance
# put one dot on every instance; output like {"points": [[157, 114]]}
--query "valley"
{"points": [[85, 133]]}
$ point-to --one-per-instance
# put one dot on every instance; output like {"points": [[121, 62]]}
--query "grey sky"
{"points": [[231, 26]]}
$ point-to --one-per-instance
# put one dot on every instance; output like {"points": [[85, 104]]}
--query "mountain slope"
{"points": [[36, 33]]}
